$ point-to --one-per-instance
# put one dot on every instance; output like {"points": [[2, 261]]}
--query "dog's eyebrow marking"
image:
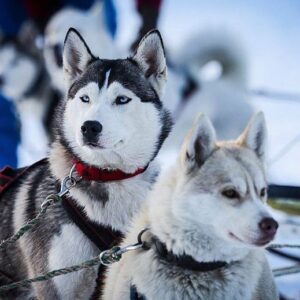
{"points": [[106, 82]]}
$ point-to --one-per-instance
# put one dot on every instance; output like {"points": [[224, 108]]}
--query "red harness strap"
{"points": [[9, 175]]}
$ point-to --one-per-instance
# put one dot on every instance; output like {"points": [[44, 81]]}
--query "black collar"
{"points": [[183, 261]]}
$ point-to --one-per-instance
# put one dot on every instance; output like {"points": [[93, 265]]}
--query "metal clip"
{"points": [[67, 183], [110, 256]]}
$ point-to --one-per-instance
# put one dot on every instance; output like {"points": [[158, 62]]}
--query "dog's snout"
{"points": [[1, 80], [268, 226], [91, 129]]}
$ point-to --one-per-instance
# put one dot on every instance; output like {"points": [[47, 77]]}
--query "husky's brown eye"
{"points": [[85, 98], [263, 192], [122, 100], [230, 193]]}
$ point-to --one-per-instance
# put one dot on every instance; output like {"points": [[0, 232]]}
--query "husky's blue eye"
{"points": [[85, 98], [122, 100]]}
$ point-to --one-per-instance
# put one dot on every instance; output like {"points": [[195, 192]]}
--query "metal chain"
{"points": [[67, 183]]}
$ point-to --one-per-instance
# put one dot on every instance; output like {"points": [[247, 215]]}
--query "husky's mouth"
{"points": [[260, 242], [94, 145]]}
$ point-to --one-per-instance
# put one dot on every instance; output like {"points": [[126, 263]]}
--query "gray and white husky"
{"points": [[209, 210], [112, 118]]}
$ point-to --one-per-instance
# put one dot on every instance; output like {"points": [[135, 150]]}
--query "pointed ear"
{"points": [[150, 57], [199, 143], [76, 56], [254, 136]]}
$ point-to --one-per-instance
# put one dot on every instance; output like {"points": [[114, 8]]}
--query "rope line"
{"points": [[23, 283], [51, 199], [276, 246], [113, 255], [286, 271]]}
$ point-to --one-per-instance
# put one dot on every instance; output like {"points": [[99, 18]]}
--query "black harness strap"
{"points": [[183, 261], [103, 237]]}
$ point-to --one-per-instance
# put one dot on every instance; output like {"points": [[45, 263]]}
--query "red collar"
{"points": [[92, 173]]}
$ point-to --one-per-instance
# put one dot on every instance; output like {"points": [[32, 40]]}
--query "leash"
{"points": [[67, 183], [115, 254], [105, 258]]}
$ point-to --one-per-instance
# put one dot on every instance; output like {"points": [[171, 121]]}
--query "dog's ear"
{"points": [[254, 136], [150, 57], [76, 56], [199, 143]]}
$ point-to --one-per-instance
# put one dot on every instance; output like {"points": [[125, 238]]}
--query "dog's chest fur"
{"points": [[56, 242]]}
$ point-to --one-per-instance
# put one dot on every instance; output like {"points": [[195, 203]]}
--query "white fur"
{"points": [[75, 285]]}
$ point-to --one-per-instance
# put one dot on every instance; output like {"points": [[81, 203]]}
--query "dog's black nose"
{"points": [[268, 226], [1, 80], [91, 130]]}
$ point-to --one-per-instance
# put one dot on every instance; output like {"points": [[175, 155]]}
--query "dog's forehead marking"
{"points": [[105, 85], [124, 71]]}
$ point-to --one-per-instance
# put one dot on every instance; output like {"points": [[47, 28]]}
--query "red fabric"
{"points": [[95, 174], [5, 178]]}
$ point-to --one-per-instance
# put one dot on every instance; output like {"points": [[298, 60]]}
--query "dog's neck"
{"points": [[62, 160], [107, 203], [201, 242]]}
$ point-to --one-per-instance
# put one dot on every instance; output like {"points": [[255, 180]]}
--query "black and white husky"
{"points": [[24, 80], [112, 121]]}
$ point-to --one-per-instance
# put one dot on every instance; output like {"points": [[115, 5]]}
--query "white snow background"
{"points": [[270, 33]]}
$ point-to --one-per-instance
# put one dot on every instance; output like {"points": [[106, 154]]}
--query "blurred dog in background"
{"points": [[211, 77], [90, 24], [24, 80]]}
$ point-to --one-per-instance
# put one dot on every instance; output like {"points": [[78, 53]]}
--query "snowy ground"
{"points": [[270, 32]]}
